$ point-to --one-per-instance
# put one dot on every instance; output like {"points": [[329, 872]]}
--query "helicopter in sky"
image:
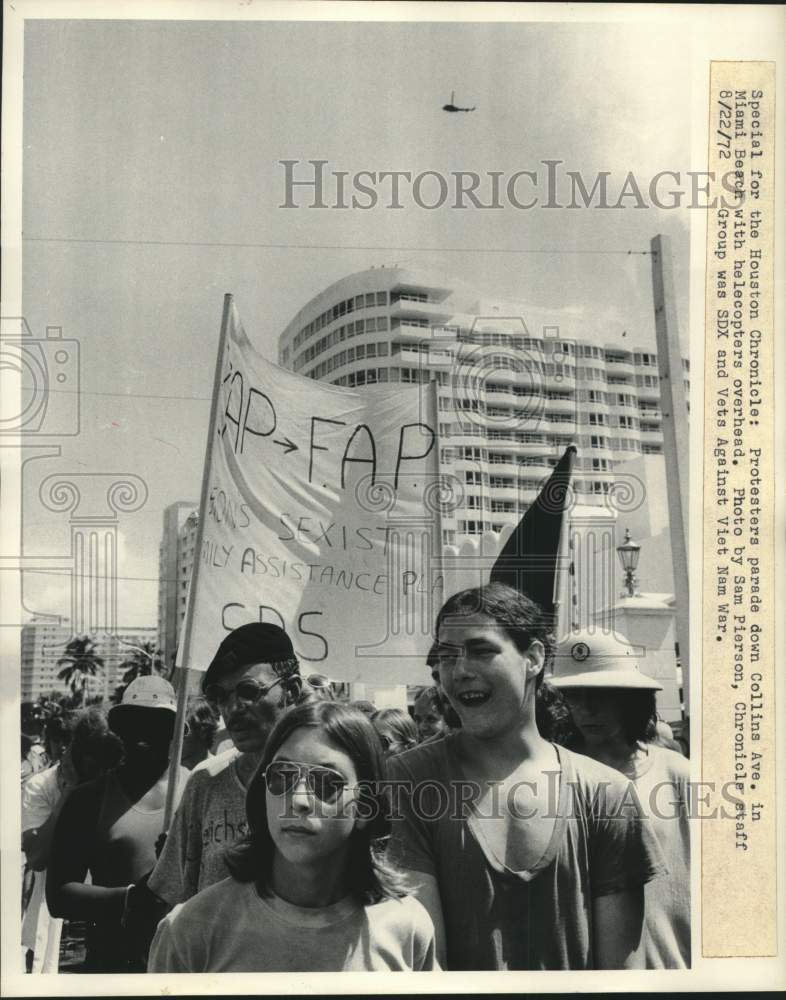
{"points": [[452, 107]]}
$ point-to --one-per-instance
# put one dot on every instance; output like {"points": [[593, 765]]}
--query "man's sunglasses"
{"points": [[247, 690], [283, 776]]}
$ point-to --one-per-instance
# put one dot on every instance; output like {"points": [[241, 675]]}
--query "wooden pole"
{"points": [[183, 669], [676, 441]]}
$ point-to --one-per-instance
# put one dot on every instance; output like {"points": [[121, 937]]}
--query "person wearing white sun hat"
{"points": [[613, 708], [108, 827]]}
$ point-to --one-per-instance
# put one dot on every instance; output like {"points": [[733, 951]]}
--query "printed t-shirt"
{"points": [[211, 817], [229, 927], [40, 930], [497, 918], [661, 778]]}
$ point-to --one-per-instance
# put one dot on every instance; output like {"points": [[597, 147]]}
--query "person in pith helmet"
{"points": [[108, 827], [612, 704], [611, 701]]}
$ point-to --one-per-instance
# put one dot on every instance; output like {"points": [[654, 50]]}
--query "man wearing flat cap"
{"points": [[252, 679]]}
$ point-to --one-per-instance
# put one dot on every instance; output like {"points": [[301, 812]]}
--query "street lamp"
{"points": [[151, 656], [629, 558]]}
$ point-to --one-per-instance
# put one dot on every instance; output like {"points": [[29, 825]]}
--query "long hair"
{"points": [[370, 877], [521, 618], [553, 718], [401, 724], [638, 709], [640, 715]]}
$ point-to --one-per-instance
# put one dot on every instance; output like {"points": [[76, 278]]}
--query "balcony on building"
{"points": [[415, 354], [646, 359], [538, 463], [501, 393], [502, 463], [513, 377], [564, 403], [502, 441], [529, 447], [419, 291], [526, 496], [503, 486], [555, 377], [503, 507], [419, 302], [556, 421], [620, 364], [410, 328], [598, 443], [465, 433], [649, 391]]}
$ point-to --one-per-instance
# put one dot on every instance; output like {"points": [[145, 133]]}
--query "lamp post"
{"points": [[629, 559], [151, 656]]}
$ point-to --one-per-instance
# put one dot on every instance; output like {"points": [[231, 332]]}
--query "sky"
{"points": [[153, 185]]}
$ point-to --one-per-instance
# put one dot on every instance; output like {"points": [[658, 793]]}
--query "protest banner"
{"points": [[319, 508]]}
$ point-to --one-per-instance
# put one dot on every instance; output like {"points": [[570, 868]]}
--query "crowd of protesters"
{"points": [[487, 830]]}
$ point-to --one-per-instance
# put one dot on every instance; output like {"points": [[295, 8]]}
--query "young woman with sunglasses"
{"points": [[308, 892]]}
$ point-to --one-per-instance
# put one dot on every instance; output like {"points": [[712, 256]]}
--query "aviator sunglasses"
{"points": [[283, 776], [247, 690]]}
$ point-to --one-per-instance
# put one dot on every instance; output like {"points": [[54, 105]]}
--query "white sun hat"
{"points": [[149, 691], [593, 659]]}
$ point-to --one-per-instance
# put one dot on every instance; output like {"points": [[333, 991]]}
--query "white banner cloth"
{"points": [[318, 513]]}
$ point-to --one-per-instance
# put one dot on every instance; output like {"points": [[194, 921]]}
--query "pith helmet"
{"points": [[597, 660], [149, 691]]}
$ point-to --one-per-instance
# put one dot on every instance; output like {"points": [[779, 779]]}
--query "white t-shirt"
{"points": [[230, 928], [211, 816], [661, 778], [40, 930]]}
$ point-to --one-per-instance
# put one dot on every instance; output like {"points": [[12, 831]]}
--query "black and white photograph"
{"points": [[355, 611]]}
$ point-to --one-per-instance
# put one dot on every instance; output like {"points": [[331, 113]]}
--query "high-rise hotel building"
{"points": [[44, 642], [516, 385], [175, 562]]}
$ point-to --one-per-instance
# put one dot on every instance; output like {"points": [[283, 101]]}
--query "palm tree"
{"points": [[79, 661], [142, 660]]}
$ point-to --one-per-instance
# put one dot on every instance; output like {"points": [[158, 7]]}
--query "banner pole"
{"points": [[183, 672]]}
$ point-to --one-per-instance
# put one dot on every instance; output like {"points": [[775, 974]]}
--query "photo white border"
{"points": [[716, 32]]}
